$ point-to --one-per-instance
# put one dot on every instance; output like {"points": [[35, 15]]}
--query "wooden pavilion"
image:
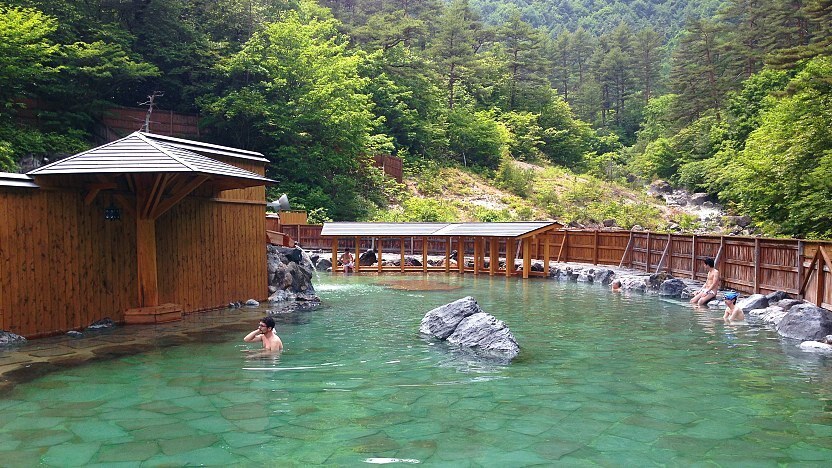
{"points": [[482, 243], [140, 230]]}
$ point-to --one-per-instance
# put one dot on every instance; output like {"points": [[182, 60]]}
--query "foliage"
{"points": [[25, 50], [417, 209], [513, 178], [780, 178], [475, 138]]}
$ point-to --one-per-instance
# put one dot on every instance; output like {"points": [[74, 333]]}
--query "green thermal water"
{"points": [[603, 379]]}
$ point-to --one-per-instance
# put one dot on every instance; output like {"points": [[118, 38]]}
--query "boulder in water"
{"points": [[464, 323]]}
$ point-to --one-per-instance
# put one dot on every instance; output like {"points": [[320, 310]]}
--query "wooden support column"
{"points": [[460, 254], [800, 271], [477, 248], [670, 254], [595, 249], [401, 265], [493, 256], [356, 263], [527, 257], [757, 266], [334, 255], [424, 254], [380, 241], [647, 260], [509, 256], [448, 254], [547, 254], [146, 261]]}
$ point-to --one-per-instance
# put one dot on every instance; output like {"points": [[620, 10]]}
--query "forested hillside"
{"points": [[729, 97]]}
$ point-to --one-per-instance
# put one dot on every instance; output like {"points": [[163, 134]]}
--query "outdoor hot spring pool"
{"points": [[602, 379]]}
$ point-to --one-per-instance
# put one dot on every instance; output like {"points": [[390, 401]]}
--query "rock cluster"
{"points": [[290, 273], [464, 323], [8, 338]]}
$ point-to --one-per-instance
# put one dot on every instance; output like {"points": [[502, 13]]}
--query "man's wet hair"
{"points": [[268, 321], [709, 261]]}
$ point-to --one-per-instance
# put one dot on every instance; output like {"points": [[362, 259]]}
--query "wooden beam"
{"points": [[334, 255], [448, 254], [822, 266], [157, 192], [424, 254], [664, 253], [547, 254], [357, 253], [401, 244], [493, 257], [647, 260], [693, 257], [460, 254], [626, 250], [378, 253], [562, 244], [175, 197], [509, 256], [477, 247], [815, 259], [527, 257], [670, 255], [94, 189]]}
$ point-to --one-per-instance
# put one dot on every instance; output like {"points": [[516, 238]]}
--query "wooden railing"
{"points": [[747, 264]]}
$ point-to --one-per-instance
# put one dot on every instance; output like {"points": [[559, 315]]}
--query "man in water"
{"points": [[732, 312], [265, 334], [708, 291]]}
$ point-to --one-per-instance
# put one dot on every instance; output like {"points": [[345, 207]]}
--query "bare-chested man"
{"points": [[733, 313], [265, 333], [711, 287]]}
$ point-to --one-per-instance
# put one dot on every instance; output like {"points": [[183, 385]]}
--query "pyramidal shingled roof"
{"points": [[139, 153]]}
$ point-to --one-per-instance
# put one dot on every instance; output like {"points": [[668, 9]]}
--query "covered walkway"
{"points": [[468, 247]]}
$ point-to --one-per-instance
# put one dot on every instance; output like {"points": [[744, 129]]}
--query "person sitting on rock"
{"points": [[708, 291], [347, 261], [733, 313]]}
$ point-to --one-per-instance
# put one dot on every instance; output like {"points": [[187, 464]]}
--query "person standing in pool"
{"points": [[733, 313], [708, 291], [265, 334]]}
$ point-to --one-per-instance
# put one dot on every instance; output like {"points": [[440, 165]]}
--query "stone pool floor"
{"points": [[39, 357]]}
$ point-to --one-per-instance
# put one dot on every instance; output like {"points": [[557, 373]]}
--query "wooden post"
{"points": [[527, 257], [647, 261], [595, 248], [334, 254], [493, 257], [664, 254], [460, 254], [509, 256], [477, 247], [626, 250], [378, 254], [448, 254], [401, 264], [757, 265], [693, 257], [424, 254], [546, 255], [146, 262], [800, 272], [357, 253]]}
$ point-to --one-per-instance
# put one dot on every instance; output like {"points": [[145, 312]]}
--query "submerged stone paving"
{"points": [[39, 357]]}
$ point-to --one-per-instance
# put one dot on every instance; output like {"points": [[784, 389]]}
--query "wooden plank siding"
{"points": [[63, 266]]}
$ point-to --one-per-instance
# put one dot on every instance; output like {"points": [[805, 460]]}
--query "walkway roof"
{"points": [[520, 229], [145, 153]]}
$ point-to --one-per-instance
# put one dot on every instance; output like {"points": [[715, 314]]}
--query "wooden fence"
{"points": [[748, 264], [391, 165]]}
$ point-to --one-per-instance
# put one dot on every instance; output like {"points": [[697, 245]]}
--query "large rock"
{"points": [[754, 301], [323, 264], [443, 320], [289, 269], [485, 334], [806, 322], [771, 315], [672, 288], [8, 338], [776, 296], [603, 275], [657, 279], [368, 258]]}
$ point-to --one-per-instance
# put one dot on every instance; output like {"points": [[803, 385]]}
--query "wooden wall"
{"points": [[63, 266]]}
